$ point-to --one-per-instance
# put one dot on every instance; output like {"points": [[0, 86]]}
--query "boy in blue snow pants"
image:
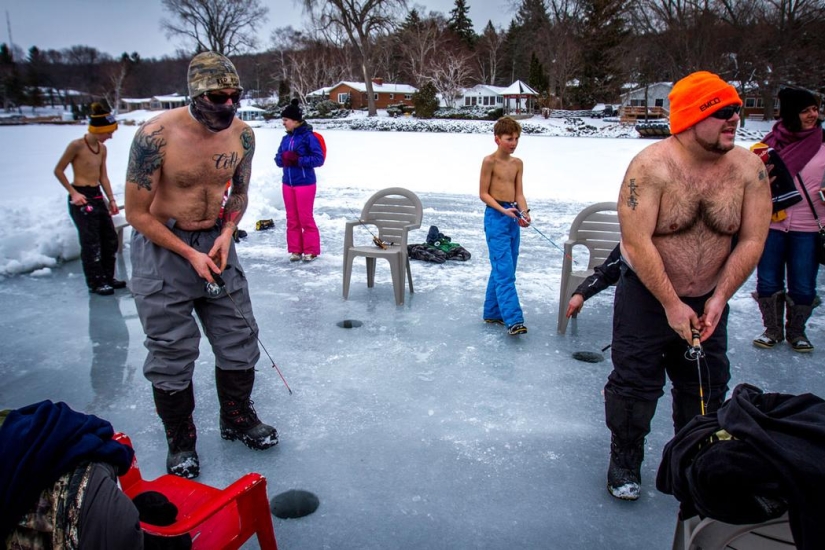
{"points": [[506, 213]]}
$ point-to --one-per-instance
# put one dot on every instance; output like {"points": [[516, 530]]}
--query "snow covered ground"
{"points": [[422, 428]]}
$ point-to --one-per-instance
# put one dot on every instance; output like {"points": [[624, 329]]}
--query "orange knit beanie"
{"points": [[696, 97]]}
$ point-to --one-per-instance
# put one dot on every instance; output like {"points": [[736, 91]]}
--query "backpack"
{"points": [[323, 143]]}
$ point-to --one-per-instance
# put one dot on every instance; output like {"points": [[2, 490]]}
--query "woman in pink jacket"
{"points": [[791, 245]]}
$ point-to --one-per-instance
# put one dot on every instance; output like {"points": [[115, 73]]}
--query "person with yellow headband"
{"points": [[682, 201], [90, 212]]}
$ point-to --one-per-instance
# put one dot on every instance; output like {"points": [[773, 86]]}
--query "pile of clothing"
{"points": [[438, 249], [759, 455]]}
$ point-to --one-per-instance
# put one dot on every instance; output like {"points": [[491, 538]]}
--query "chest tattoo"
{"points": [[224, 161]]}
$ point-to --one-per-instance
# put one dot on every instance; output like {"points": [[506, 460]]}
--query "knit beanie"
{"points": [[292, 111], [696, 97], [210, 71], [101, 120], [793, 101]]}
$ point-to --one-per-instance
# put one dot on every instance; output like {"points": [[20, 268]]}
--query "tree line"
{"points": [[575, 53]]}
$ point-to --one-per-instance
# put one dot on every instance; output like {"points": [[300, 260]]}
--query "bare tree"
{"points": [[312, 67], [360, 21], [223, 26], [450, 73], [489, 50], [116, 74], [417, 45]]}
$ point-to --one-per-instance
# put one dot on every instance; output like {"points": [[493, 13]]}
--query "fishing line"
{"points": [[520, 215], [214, 290], [375, 239]]}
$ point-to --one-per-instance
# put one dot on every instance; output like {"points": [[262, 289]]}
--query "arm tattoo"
{"points": [[762, 175], [145, 158], [633, 195], [238, 199]]}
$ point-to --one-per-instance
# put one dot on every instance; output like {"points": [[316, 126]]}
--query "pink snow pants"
{"points": [[302, 236]]}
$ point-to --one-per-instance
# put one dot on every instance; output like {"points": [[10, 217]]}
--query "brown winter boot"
{"points": [[238, 417], [795, 326], [773, 310]]}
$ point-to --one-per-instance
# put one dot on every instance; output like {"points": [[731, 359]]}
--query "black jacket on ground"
{"points": [[777, 457]]}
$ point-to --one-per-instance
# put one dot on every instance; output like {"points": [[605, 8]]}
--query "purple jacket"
{"points": [[800, 217], [310, 156]]}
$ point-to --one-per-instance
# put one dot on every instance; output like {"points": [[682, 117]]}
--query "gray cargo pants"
{"points": [[167, 290]]}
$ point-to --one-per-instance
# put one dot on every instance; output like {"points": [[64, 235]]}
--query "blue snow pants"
{"points": [[503, 235]]}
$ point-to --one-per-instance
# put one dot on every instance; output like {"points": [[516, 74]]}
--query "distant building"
{"points": [[154, 103], [355, 93], [518, 97]]}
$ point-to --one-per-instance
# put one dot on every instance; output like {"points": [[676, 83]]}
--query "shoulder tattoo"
{"points": [[762, 174], [632, 194], [247, 140], [145, 157]]}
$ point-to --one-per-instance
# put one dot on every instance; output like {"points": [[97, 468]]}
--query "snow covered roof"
{"points": [[320, 92], [173, 98], [251, 109], [136, 101], [520, 88], [386, 88], [482, 88]]}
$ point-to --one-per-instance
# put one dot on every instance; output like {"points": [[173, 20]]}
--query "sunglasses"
{"points": [[219, 98], [727, 112]]}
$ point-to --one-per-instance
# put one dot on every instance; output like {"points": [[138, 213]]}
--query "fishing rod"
{"points": [[695, 352], [521, 214], [214, 290], [375, 239]]}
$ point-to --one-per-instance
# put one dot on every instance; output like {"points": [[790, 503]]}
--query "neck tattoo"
{"points": [[86, 141]]}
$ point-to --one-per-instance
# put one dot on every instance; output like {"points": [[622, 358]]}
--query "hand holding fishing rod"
{"points": [[214, 290]]}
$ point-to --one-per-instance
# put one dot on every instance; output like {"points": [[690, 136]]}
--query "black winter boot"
{"points": [[629, 423], [175, 411], [772, 309], [686, 407], [238, 417], [795, 326]]}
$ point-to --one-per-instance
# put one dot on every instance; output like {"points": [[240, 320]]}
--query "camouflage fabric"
{"points": [[54, 519], [426, 253], [210, 71]]}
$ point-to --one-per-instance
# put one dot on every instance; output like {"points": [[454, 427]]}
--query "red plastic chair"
{"points": [[214, 518]]}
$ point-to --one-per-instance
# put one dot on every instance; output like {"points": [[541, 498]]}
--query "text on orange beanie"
{"points": [[696, 97]]}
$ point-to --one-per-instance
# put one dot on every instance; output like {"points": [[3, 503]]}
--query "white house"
{"points": [[154, 103], [518, 96], [656, 96]]}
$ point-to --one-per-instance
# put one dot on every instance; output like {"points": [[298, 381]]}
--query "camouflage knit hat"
{"points": [[209, 71]]}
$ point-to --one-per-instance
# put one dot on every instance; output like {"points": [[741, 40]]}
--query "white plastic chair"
{"points": [[710, 534], [392, 213], [597, 228]]}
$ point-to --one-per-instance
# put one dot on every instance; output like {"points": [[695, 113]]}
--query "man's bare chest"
{"points": [[193, 165], [701, 208]]}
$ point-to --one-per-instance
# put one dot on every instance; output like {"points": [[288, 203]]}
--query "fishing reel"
{"points": [[379, 243], [695, 351]]}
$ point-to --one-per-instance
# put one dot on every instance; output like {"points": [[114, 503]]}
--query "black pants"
{"points": [[98, 238], [645, 348]]}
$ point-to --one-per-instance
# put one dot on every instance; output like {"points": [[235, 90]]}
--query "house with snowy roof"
{"points": [[386, 94], [516, 98], [154, 103]]}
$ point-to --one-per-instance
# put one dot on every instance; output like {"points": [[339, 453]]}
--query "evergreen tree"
{"points": [[526, 35], [12, 84], [461, 24], [283, 93], [605, 32], [425, 101], [412, 21], [538, 78]]}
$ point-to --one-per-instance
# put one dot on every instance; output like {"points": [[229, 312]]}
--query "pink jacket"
{"points": [[800, 217]]}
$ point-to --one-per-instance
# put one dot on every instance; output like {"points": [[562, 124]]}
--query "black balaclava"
{"points": [[213, 116]]}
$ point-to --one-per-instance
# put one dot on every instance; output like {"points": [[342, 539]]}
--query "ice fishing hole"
{"points": [[349, 323]]}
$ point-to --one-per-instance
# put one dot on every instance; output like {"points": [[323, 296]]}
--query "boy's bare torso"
{"points": [[503, 177], [86, 165], [699, 213], [196, 167]]}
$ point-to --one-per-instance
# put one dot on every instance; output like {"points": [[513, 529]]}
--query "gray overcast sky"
{"points": [[117, 26]]}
